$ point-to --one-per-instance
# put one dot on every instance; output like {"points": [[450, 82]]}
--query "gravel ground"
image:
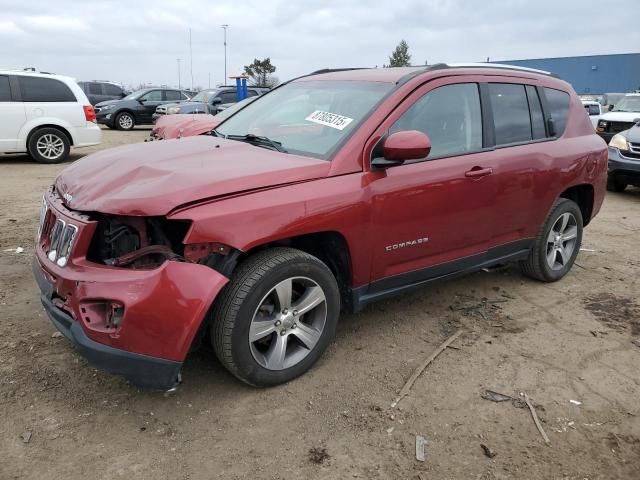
{"points": [[573, 347]]}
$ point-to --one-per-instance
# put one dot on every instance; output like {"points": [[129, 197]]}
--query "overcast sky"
{"points": [[140, 41]]}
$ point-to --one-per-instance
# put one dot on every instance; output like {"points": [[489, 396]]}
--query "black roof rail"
{"points": [[332, 70]]}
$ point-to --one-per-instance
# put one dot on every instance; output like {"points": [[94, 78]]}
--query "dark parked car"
{"points": [[624, 160], [100, 91], [138, 107], [333, 191], [207, 101]]}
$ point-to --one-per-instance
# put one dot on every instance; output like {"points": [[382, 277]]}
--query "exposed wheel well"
{"points": [[583, 196], [57, 127], [332, 249]]}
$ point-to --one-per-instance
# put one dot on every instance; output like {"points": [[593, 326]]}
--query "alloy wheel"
{"points": [[288, 323], [125, 121], [50, 146], [561, 241]]}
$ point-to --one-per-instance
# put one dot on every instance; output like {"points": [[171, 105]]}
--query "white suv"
{"points": [[44, 115]]}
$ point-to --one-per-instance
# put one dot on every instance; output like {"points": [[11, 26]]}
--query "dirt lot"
{"points": [[566, 341]]}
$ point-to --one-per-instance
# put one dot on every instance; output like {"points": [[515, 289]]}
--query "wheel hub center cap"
{"points": [[287, 321]]}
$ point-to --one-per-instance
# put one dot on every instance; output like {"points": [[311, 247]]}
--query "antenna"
{"points": [[224, 26]]}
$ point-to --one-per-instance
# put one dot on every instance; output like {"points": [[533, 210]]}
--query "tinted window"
{"points": [[5, 90], [173, 95], [227, 97], [186, 96], [535, 109], [252, 93], [592, 109], [451, 118], [152, 96], [510, 113], [558, 103], [95, 89], [36, 89], [112, 90]]}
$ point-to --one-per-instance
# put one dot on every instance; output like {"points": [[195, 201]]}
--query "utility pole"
{"points": [[209, 79], [191, 59], [224, 27], [179, 83]]}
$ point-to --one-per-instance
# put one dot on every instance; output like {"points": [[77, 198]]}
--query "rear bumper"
{"points": [[141, 370], [87, 136]]}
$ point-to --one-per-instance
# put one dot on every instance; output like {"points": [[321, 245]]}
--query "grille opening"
{"points": [[137, 242]]}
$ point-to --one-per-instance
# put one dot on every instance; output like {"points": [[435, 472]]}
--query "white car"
{"points": [[594, 110], [44, 115], [624, 115]]}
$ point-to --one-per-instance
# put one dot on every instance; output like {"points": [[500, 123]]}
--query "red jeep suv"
{"points": [[332, 191]]}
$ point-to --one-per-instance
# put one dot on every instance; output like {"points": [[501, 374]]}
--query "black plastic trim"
{"points": [[391, 286], [141, 370]]}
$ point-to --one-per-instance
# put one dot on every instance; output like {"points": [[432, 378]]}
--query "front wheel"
{"points": [[276, 317], [557, 244], [614, 184], [125, 121]]}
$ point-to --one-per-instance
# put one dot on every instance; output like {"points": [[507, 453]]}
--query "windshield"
{"points": [[203, 96], [628, 104], [308, 117], [135, 95]]}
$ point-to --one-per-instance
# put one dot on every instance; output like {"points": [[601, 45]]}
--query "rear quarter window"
{"points": [[37, 89], [558, 104]]}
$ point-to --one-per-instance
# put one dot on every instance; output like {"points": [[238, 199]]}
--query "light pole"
{"points": [[224, 27], [179, 83], [191, 59]]}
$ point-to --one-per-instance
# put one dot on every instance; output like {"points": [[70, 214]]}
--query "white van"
{"points": [[44, 115]]}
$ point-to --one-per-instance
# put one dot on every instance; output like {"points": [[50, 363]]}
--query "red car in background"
{"points": [[187, 125], [330, 192]]}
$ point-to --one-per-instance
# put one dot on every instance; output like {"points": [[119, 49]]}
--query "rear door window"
{"points": [[38, 89], [228, 97], [558, 103], [5, 89], [112, 90], [510, 107], [95, 89], [450, 116], [173, 95]]}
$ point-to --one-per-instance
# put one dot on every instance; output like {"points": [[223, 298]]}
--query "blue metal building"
{"points": [[593, 74]]}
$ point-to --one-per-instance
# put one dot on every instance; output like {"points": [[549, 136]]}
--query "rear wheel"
{"points": [[276, 316], [49, 145], [125, 121], [614, 184], [557, 243]]}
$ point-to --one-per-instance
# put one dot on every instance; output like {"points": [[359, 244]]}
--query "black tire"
{"points": [[42, 138], [125, 121], [614, 184], [537, 266], [234, 310]]}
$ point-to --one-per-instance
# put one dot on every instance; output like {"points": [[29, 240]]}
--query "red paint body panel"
{"points": [[243, 197], [168, 127]]}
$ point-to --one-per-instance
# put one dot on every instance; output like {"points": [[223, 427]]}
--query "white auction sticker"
{"points": [[329, 119]]}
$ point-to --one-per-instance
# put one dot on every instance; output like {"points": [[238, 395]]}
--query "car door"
{"points": [[148, 103], [12, 115], [432, 217]]}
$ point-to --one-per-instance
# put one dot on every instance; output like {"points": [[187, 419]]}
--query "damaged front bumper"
{"points": [[159, 310]]}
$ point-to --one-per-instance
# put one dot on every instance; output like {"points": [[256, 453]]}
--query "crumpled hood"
{"points": [[620, 116], [154, 178]]}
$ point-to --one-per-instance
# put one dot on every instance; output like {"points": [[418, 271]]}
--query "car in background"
{"points": [[138, 107], [100, 91], [207, 101], [594, 110], [44, 115], [622, 117], [188, 125], [609, 100], [624, 160]]}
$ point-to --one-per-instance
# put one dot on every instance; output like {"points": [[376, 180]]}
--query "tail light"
{"points": [[89, 113]]}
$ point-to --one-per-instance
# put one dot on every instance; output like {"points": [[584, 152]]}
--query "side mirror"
{"points": [[610, 108], [216, 101], [402, 146]]}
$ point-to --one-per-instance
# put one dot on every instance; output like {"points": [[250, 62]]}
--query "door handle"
{"points": [[478, 172]]}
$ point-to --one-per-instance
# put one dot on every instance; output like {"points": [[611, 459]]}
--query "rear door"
{"points": [[50, 100], [12, 116]]}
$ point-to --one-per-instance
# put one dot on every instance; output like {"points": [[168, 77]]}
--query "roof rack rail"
{"points": [[332, 70]]}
